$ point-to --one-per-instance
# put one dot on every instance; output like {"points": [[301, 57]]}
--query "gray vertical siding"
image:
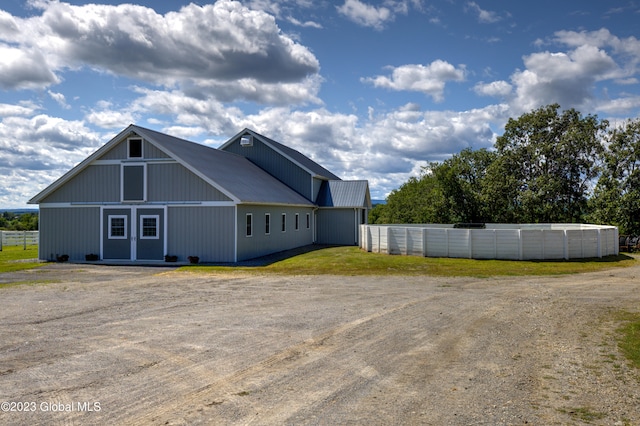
{"points": [[317, 184], [118, 152], [165, 182], [174, 182], [74, 231], [337, 226], [151, 152], [98, 183], [206, 232], [277, 165], [260, 244]]}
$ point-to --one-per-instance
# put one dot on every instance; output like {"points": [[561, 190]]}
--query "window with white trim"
{"points": [[284, 222], [267, 223], [149, 227], [249, 224], [308, 221], [297, 221], [118, 227]]}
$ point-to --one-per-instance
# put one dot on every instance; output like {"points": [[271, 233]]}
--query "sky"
{"points": [[369, 89]]}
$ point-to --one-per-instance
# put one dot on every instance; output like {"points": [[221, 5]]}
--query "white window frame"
{"points": [[141, 147], [267, 223], [308, 221], [109, 224], [297, 224], [149, 216], [283, 224], [249, 225]]}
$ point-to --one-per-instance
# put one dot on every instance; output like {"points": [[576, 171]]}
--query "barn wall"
{"points": [[260, 243], [206, 232], [336, 226], [96, 183], [74, 231]]}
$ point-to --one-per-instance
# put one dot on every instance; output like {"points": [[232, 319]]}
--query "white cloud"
{"points": [[484, 16], [23, 109], [429, 79], [366, 15], [59, 98], [225, 43], [565, 78], [498, 89], [306, 24], [24, 68], [110, 119], [36, 149]]}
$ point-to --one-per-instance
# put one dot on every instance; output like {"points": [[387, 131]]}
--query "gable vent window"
{"points": [[135, 148], [246, 140]]}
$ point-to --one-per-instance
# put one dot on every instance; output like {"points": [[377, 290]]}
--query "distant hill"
{"points": [[19, 211], [376, 202]]}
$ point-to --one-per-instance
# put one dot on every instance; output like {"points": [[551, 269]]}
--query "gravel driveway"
{"points": [[132, 345]]}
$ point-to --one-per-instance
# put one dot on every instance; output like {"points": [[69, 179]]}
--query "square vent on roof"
{"points": [[246, 140]]}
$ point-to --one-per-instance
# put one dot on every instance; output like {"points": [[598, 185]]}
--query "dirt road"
{"points": [[116, 345]]}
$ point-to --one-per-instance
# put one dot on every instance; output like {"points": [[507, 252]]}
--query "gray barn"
{"points": [[145, 194]]}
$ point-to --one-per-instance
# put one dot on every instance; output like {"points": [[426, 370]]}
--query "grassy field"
{"points": [[16, 258], [353, 261], [629, 337]]}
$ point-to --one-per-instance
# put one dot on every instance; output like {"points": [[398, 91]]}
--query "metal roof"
{"points": [[344, 193], [232, 173]]}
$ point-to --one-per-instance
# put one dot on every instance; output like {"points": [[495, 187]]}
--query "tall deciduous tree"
{"points": [[462, 182], [616, 198], [446, 192], [545, 165]]}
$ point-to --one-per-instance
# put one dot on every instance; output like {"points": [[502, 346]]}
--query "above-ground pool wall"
{"points": [[496, 241]]}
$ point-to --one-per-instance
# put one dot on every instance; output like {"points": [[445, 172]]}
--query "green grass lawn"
{"points": [[629, 337], [16, 258], [353, 261]]}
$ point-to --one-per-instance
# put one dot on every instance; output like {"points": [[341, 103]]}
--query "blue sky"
{"points": [[369, 89]]}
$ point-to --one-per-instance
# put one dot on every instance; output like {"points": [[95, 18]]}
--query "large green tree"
{"points": [[462, 183], [419, 200], [616, 198], [546, 161], [447, 192]]}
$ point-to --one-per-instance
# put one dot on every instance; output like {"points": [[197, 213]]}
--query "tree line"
{"points": [[549, 166], [10, 221]]}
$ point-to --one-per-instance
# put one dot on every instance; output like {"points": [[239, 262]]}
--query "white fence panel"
{"points": [[437, 242], [397, 240], [459, 243], [553, 244], [382, 240], [532, 244], [507, 244], [415, 243], [18, 238], [590, 243], [574, 243], [483, 244], [608, 242], [513, 242]]}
